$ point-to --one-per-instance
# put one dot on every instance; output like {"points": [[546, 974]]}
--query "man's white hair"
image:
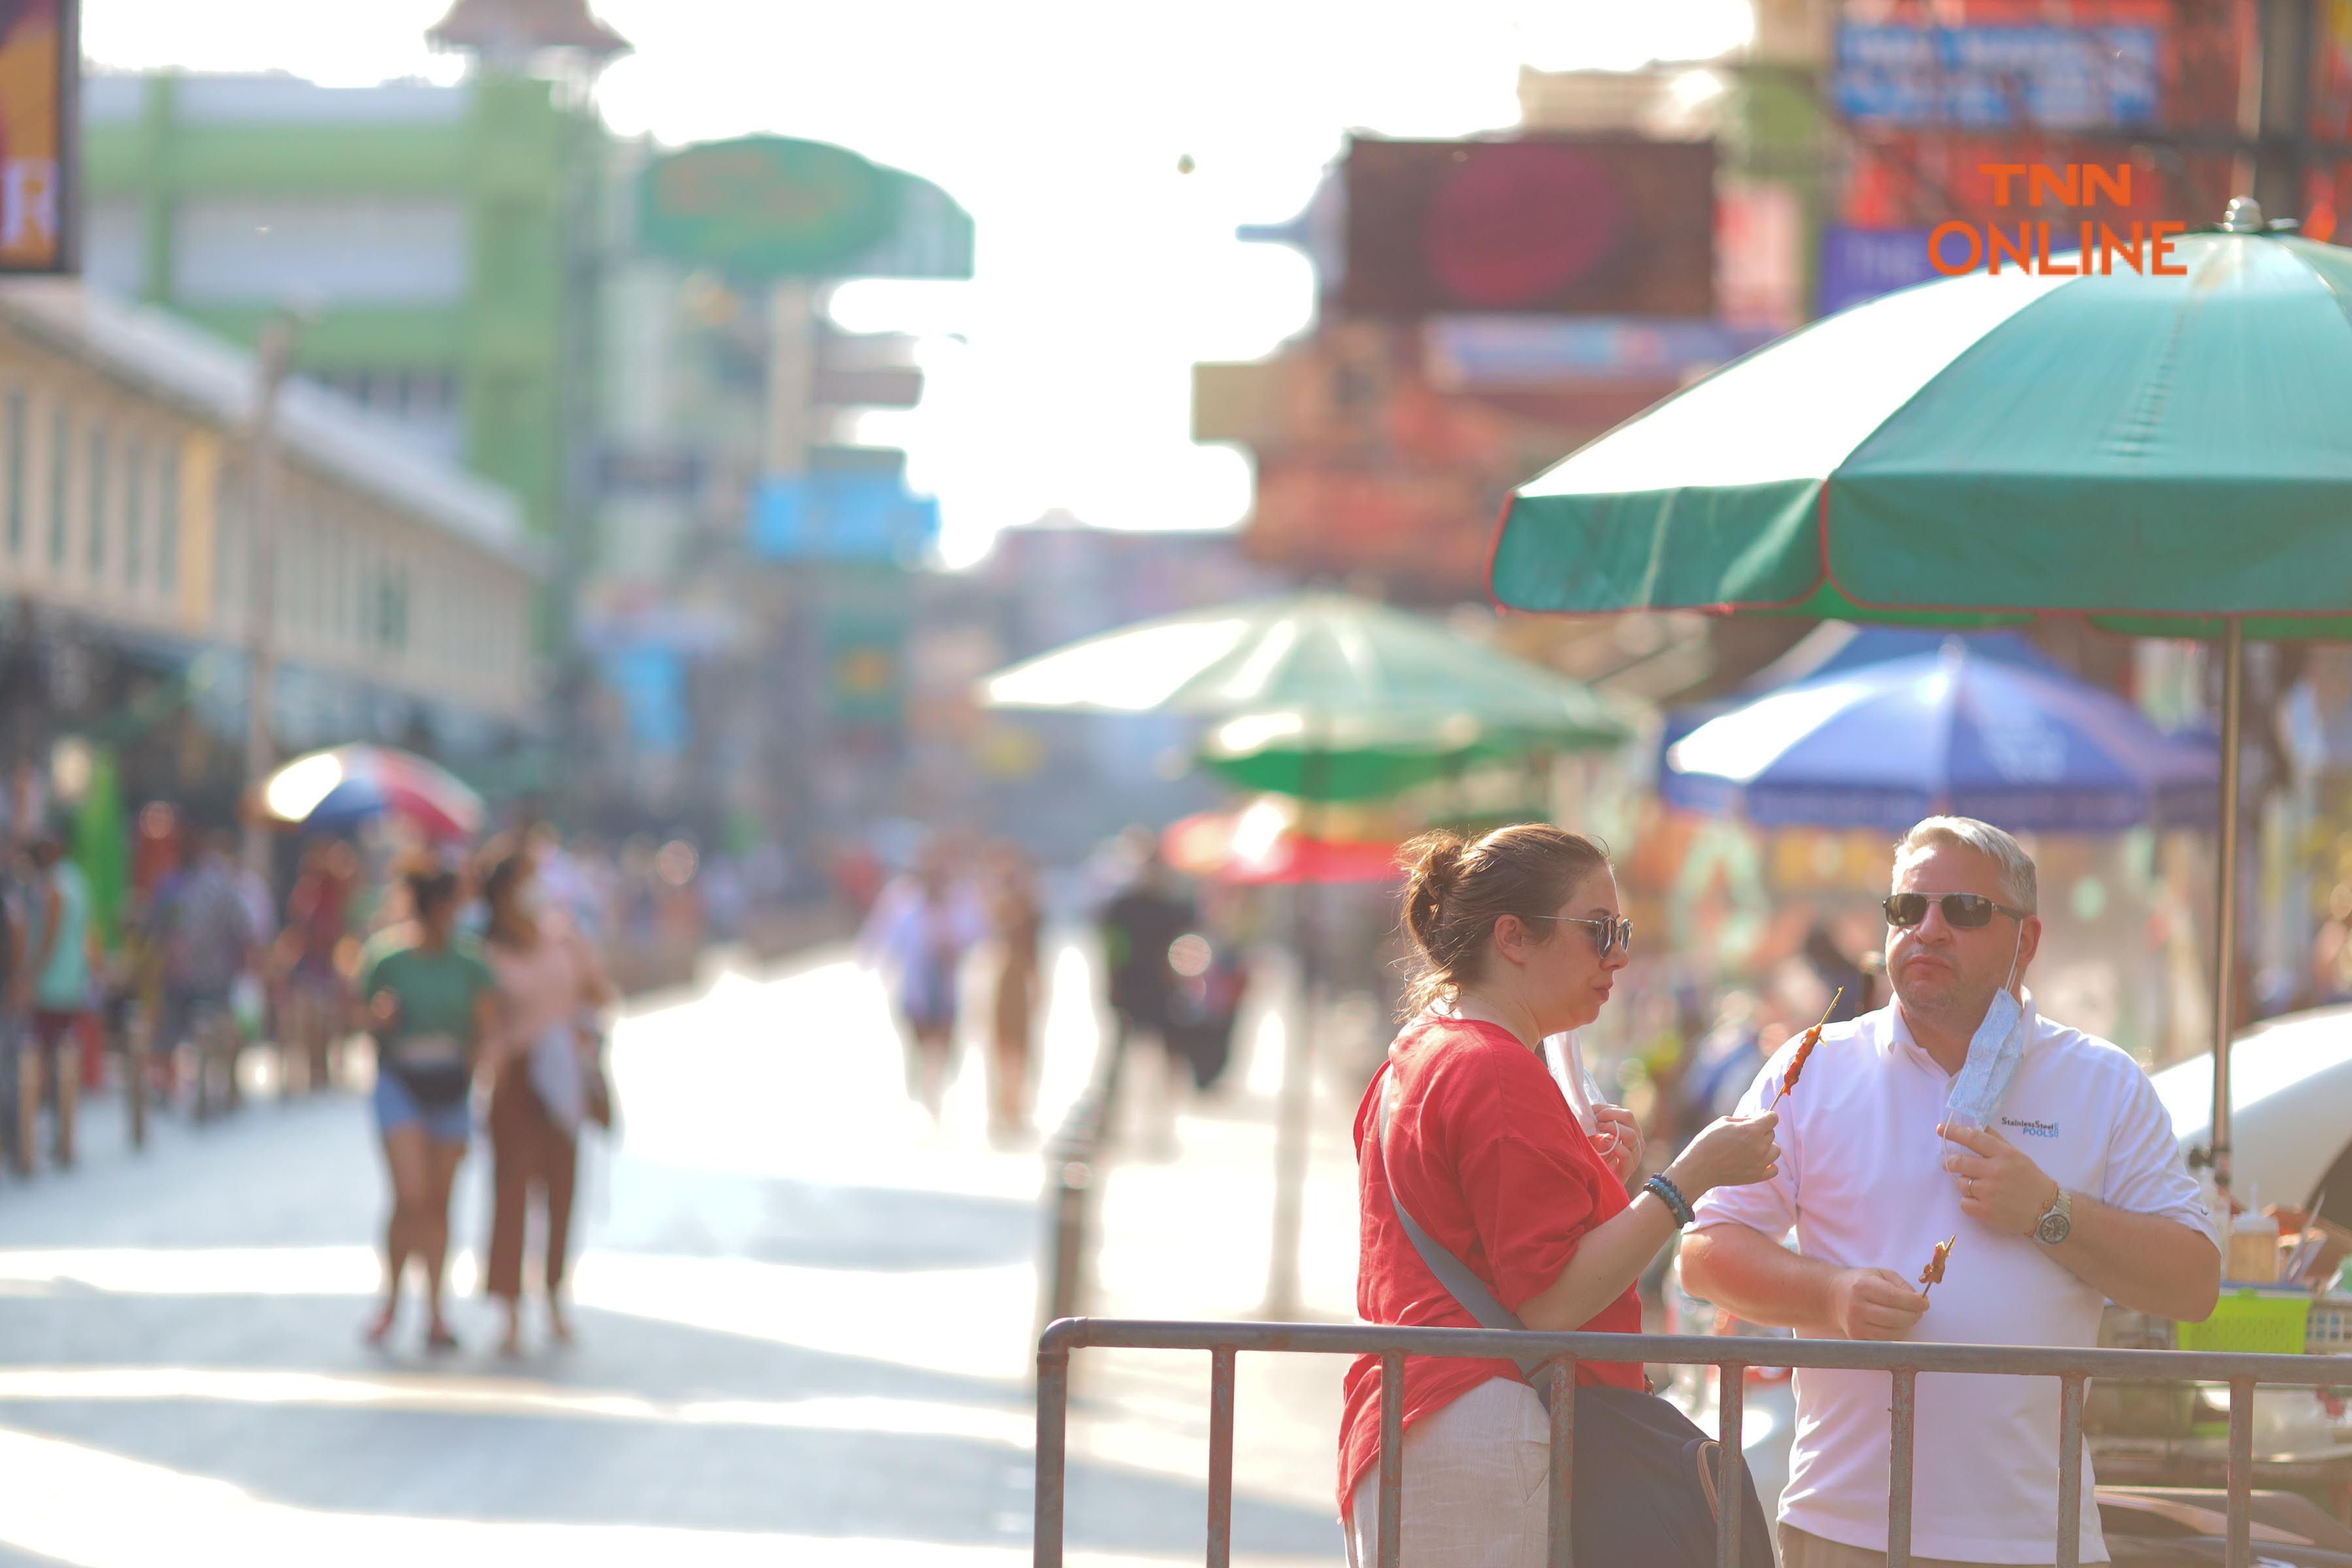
{"points": [[2017, 885]]}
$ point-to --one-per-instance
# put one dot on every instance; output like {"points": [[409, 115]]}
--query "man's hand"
{"points": [[1999, 1186], [1873, 1304], [1617, 1139]]}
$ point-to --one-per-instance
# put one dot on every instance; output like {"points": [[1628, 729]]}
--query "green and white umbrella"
{"points": [[1319, 695], [2171, 455]]}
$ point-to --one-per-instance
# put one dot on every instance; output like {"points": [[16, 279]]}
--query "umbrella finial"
{"points": [[2244, 216]]}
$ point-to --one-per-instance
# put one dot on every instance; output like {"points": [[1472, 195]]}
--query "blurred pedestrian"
{"points": [[312, 954], [571, 885], [921, 928], [59, 963], [205, 924], [1139, 927], [1847, 987], [431, 1002], [1018, 922], [1725, 1060], [547, 1083], [1484, 1203], [15, 1001]]}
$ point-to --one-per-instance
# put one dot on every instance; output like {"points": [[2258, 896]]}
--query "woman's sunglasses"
{"points": [[1965, 910], [1614, 936]]}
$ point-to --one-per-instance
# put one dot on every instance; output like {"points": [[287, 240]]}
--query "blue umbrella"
{"points": [[1835, 646], [1882, 745]]}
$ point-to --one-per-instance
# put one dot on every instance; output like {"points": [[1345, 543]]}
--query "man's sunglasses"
{"points": [[1965, 910], [1615, 935]]}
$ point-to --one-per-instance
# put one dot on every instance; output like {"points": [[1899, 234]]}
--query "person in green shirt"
{"points": [[431, 1002]]}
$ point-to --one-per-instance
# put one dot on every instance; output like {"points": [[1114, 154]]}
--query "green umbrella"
{"points": [[2166, 454], [2164, 451], [1319, 695]]}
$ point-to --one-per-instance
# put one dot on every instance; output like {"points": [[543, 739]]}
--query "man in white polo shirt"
{"points": [[2074, 1194]]}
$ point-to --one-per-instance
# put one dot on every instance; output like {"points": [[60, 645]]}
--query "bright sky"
{"points": [[1103, 272]]}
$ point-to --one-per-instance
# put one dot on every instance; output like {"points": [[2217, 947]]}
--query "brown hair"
{"points": [[504, 863], [1454, 892]]}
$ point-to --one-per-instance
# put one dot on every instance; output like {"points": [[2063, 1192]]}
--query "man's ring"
{"points": [[1972, 1187]]}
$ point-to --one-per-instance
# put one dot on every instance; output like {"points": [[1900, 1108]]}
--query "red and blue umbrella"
{"points": [[336, 790]]}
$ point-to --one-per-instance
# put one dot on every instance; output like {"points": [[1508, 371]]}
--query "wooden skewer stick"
{"points": [[1933, 1275], [1796, 1063]]}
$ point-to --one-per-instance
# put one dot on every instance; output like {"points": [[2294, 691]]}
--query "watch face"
{"points": [[2055, 1229]]}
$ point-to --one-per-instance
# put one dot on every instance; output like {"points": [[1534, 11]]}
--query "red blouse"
{"points": [[1491, 1163]]}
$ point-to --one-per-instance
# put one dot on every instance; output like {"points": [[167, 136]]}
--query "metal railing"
{"points": [[1732, 1356]]}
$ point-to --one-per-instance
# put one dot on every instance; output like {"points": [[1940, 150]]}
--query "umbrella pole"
{"points": [[2225, 897], [1291, 1130]]}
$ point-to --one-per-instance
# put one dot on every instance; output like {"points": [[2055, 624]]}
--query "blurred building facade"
{"points": [[431, 236], [403, 585]]}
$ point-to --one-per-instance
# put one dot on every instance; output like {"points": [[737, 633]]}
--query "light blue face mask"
{"points": [[1994, 1051]]}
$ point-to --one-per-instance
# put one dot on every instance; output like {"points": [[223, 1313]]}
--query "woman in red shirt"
{"points": [[1489, 1160]]}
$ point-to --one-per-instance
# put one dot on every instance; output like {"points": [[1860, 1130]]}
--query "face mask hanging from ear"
{"points": [[1994, 1051]]}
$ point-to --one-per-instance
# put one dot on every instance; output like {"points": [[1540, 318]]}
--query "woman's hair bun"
{"points": [[1433, 862]]}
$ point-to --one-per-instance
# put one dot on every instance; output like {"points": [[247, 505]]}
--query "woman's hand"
{"points": [[1732, 1152], [1617, 1140]]}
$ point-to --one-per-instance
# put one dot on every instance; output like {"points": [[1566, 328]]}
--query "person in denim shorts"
{"points": [[431, 1002]]}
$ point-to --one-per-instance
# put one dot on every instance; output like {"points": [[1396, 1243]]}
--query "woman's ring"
{"points": [[1972, 1188]]}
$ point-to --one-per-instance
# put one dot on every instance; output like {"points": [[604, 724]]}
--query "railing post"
{"points": [[2242, 1473], [1905, 1413], [2070, 1471], [1731, 1420], [1561, 1520], [1053, 1420], [1392, 1459], [1220, 1456]]}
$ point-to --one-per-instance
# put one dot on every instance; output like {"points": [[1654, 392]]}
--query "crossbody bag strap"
{"points": [[1465, 1286]]}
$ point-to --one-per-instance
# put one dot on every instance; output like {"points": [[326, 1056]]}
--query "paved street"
{"points": [[805, 1329]]}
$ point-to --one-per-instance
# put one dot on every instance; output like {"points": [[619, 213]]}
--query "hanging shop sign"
{"points": [[40, 79]]}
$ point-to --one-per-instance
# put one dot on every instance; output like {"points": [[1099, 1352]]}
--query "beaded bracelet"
{"points": [[1671, 1197]]}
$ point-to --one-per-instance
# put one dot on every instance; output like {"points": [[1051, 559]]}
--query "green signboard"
{"points": [[769, 206]]}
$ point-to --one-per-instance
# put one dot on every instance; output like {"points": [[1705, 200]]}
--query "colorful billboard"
{"points": [[1996, 72], [40, 63], [1542, 225]]}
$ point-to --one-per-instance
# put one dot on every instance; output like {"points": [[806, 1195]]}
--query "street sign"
{"points": [[866, 386], [842, 514], [774, 207]]}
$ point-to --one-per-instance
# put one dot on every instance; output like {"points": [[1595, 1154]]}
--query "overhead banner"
{"points": [[1543, 226], [40, 67]]}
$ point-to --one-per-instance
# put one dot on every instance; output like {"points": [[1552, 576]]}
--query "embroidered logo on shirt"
{"points": [[2032, 1129]]}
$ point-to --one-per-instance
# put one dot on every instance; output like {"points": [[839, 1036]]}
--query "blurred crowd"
{"points": [[967, 917]]}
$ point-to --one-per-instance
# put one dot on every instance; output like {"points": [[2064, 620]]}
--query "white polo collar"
{"points": [[1896, 1038]]}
